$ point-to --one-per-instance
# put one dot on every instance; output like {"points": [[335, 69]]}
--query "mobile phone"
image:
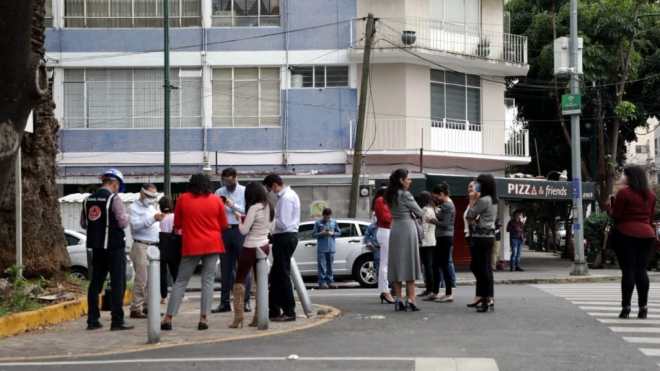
{"points": [[477, 187]]}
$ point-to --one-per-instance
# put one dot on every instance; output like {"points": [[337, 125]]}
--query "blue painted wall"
{"points": [[319, 118], [301, 14], [239, 139], [128, 140]]}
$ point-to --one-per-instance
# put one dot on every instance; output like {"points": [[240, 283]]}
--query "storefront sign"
{"points": [[538, 189]]}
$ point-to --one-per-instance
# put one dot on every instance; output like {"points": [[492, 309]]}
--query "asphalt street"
{"points": [[532, 328]]}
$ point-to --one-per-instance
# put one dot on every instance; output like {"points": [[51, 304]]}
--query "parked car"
{"points": [[352, 258], [76, 246]]}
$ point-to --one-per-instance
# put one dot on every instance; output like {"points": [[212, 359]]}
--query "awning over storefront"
{"points": [[516, 188]]}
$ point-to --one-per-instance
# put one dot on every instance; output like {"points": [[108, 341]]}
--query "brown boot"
{"points": [[239, 297]]}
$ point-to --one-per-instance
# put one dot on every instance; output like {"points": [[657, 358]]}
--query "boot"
{"points": [[239, 295]]}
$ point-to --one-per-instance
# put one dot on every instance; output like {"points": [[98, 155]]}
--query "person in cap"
{"points": [[104, 217], [145, 227]]}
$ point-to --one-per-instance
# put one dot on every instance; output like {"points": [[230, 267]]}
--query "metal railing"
{"points": [[454, 136], [473, 40]]}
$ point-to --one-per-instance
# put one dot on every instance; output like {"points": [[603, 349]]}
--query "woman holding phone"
{"points": [[481, 216]]}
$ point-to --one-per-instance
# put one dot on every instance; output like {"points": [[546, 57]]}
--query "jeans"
{"points": [[232, 239], [633, 255], [516, 249], [443, 265], [104, 261], [325, 261], [376, 254], [280, 296]]}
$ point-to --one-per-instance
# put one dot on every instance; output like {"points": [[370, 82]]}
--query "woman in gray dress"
{"points": [[403, 263]]}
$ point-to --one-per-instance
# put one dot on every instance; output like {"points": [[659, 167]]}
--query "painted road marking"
{"points": [[421, 363]]}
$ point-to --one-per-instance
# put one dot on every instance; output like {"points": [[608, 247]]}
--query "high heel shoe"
{"points": [[399, 306], [410, 305], [625, 313], [384, 299], [474, 304], [485, 306], [643, 312]]}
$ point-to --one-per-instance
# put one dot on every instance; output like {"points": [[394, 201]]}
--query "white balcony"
{"points": [[447, 137], [471, 48]]}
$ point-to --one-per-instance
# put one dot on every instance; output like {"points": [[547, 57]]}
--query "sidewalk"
{"points": [[71, 339]]}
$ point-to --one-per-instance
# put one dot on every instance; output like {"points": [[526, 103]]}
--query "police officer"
{"points": [[104, 218]]}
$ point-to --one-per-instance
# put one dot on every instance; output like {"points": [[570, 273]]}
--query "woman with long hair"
{"points": [[200, 215], [384, 223], [255, 227], [481, 216], [634, 236], [404, 263]]}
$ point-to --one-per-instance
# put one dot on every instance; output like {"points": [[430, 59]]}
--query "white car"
{"points": [[76, 246], [352, 258]]}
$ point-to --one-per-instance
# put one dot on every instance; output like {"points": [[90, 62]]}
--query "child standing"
{"points": [[325, 231]]}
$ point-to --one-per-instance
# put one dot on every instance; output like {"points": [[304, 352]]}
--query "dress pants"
{"points": [[481, 250], [280, 296], [233, 242], [104, 261]]}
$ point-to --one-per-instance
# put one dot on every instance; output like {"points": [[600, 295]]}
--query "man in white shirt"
{"points": [[233, 196], [144, 220], [282, 307]]}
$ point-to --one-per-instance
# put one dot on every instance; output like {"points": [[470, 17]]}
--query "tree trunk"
{"points": [[44, 247]]}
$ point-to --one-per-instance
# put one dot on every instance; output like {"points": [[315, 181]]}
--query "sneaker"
{"points": [[518, 269], [323, 286], [94, 326], [121, 327], [136, 314], [446, 299], [425, 293], [284, 318], [431, 297], [222, 308]]}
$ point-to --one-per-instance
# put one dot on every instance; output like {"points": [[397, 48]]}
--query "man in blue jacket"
{"points": [[325, 231]]}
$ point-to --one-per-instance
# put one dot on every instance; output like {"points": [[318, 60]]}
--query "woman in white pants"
{"points": [[384, 221]]}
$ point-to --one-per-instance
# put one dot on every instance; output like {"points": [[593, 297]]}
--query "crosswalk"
{"points": [[603, 302]]}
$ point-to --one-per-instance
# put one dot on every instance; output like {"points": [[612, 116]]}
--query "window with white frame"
{"points": [[456, 100], [48, 18], [130, 98], [131, 13], [459, 14], [319, 76], [246, 13], [246, 97], [642, 149]]}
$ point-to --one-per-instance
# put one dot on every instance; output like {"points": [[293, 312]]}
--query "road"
{"points": [[545, 327]]}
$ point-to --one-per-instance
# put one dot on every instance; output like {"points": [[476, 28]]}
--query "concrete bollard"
{"points": [[261, 280], [299, 284], [153, 295]]}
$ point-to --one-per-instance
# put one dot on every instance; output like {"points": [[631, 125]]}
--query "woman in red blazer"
{"points": [[634, 236], [200, 215]]}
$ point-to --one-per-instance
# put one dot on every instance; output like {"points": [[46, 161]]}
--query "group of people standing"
{"points": [[411, 234], [236, 225]]}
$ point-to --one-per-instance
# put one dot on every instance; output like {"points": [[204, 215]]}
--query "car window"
{"points": [[305, 232], [348, 230], [70, 240], [363, 229]]}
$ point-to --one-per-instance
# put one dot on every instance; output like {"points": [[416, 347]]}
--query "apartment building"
{"points": [[272, 85]]}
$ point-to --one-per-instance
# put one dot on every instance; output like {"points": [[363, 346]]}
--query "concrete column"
{"points": [[58, 14], [207, 11], [505, 216]]}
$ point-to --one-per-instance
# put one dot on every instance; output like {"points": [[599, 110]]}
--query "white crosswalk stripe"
{"points": [[603, 303]]}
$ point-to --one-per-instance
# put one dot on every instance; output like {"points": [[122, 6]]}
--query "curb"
{"points": [[19, 323], [330, 314]]}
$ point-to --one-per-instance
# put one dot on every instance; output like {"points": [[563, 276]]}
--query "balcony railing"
{"points": [[472, 40], [446, 136]]}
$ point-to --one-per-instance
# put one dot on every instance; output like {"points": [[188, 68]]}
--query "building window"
{"points": [[319, 76], [48, 19], [130, 98], [246, 13], [246, 97], [463, 15], [130, 13], [642, 149], [455, 100]]}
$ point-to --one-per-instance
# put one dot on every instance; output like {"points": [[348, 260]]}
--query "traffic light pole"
{"points": [[579, 264]]}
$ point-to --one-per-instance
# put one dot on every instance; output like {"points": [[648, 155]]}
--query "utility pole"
{"points": [[579, 264], [362, 110], [166, 124]]}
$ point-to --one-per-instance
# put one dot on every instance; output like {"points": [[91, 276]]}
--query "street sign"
{"points": [[571, 104]]}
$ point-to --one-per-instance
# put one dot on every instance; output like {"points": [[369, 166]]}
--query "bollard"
{"points": [[153, 295], [299, 284], [261, 280]]}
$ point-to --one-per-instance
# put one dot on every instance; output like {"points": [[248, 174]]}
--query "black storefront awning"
{"points": [[516, 188]]}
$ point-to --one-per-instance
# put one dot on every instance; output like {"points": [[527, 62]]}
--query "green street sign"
{"points": [[571, 104]]}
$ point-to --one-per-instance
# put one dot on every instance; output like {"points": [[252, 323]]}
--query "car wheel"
{"points": [[364, 271], [79, 273]]}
